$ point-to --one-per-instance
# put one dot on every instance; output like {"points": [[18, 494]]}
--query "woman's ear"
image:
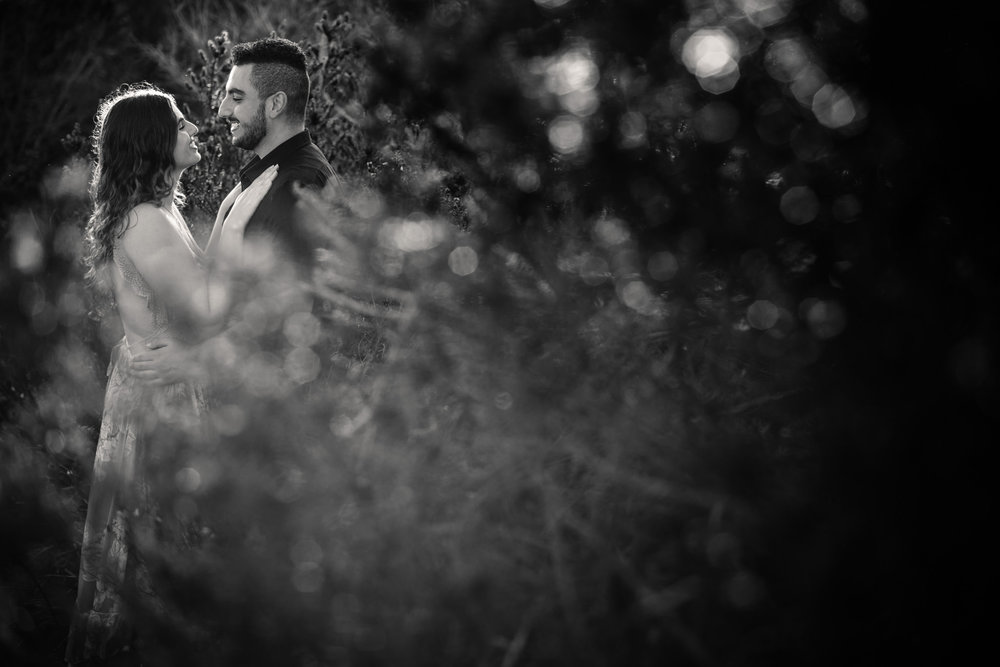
{"points": [[276, 104]]}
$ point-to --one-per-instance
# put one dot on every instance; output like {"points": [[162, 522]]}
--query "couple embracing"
{"points": [[172, 296]]}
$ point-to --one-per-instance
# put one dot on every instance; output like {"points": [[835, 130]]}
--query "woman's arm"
{"points": [[195, 293], [226, 241], [213, 240], [198, 294]]}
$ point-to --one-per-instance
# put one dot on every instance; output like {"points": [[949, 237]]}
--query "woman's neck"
{"points": [[168, 200]]}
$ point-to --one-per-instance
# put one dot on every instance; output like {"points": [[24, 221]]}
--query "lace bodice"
{"points": [[137, 284], [143, 313]]}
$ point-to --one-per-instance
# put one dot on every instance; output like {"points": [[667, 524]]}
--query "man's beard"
{"points": [[253, 131]]}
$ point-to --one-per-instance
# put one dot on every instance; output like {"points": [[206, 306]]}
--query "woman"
{"points": [[163, 285]]}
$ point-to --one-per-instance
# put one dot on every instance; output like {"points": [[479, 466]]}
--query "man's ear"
{"points": [[275, 104]]}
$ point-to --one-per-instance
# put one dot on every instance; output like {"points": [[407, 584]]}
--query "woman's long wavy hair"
{"points": [[134, 138]]}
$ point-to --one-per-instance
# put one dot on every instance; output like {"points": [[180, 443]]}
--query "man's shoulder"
{"points": [[307, 165]]}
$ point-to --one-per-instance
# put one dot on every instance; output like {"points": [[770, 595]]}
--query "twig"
{"points": [[403, 314], [520, 640], [633, 479], [38, 584], [760, 400]]}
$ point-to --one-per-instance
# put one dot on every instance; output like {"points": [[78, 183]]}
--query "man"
{"points": [[265, 104]]}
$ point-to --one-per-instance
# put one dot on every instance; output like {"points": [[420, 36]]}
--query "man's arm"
{"points": [[167, 361]]}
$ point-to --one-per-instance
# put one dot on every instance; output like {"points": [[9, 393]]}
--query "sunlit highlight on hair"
{"points": [[134, 139]]}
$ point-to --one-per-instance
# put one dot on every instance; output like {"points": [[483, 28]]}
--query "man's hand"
{"points": [[165, 361]]}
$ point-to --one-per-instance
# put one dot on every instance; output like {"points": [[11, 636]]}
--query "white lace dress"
{"points": [[122, 516]]}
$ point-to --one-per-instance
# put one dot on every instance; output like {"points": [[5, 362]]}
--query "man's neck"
{"points": [[275, 137]]}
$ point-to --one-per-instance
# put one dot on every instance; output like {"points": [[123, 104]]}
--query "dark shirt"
{"points": [[277, 219]]}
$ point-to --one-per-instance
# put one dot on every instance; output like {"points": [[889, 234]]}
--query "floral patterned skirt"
{"points": [[122, 515]]}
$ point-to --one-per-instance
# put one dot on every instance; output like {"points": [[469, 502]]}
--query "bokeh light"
{"points": [[799, 205], [188, 480], [717, 122], [765, 13], [27, 252], [302, 329], [302, 365], [833, 107], [463, 261], [69, 181], [786, 59], [55, 441], [846, 208], [763, 314], [229, 419], [365, 203], [789, 61], [637, 295], [632, 127], [526, 176], [712, 55], [572, 76], [503, 400], [551, 4], [417, 232], [264, 377], [567, 135], [594, 269], [663, 265], [610, 231], [853, 10], [826, 318]]}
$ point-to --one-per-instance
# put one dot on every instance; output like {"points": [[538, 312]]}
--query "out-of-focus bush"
{"points": [[500, 486], [52, 352], [56, 57]]}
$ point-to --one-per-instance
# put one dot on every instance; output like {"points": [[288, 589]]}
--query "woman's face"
{"points": [[186, 153]]}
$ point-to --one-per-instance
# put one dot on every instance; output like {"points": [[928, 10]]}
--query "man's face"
{"points": [[244, 109]]}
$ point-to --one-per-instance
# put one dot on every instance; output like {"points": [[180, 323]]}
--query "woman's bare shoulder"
{"points": [[147, 225]]}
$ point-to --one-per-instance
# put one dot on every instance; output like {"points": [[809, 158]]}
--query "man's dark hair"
{"points": [[279, 65]]}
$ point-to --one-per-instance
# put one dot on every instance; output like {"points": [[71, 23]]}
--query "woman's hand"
{"points": [[248, 200], [228, 202]]}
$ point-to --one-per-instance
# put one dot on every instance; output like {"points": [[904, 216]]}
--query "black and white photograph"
{"points": [[497, 333]]}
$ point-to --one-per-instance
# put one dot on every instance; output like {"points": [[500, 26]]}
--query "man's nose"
{"points": [[223, 109]]}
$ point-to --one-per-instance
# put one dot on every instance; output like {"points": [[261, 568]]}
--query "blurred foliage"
{"points": [[51, 88], [650, 332]]}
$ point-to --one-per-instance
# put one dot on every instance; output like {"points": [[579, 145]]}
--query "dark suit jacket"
{"points": [[277, 220]]}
